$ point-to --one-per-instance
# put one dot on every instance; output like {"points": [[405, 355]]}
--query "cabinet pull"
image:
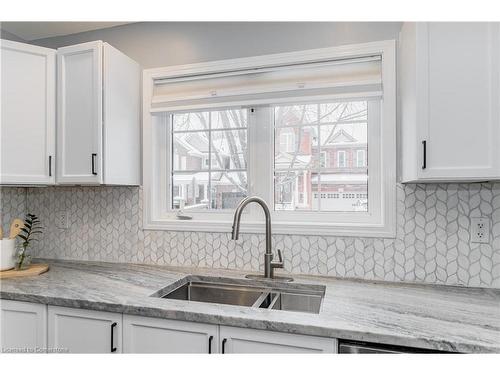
{"points": [[210, 344], [224, 345], [93, 164], [113, 348], [50, 165], [424, 154]]}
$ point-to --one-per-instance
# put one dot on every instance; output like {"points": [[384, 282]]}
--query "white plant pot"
{"points": [[7, 254]]}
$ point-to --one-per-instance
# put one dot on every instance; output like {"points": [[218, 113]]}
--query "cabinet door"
{"points": [[79, 131], [245, 340], [153, 335], [463, 127], [23, 326], [121, 110], [27, 114], [84, 331]]}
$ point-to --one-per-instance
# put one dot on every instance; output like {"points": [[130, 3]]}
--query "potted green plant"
{"points": [[32, 227]]}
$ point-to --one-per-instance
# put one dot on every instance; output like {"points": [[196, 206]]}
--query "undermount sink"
{"points": [[251, 293]]}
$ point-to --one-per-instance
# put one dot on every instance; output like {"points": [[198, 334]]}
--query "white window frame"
{"points": [[378, 222]]}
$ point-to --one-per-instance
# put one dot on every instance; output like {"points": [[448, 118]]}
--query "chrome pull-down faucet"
{"points": [[269, 264]]}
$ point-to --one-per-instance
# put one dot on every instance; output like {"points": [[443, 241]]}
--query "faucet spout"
{"points": [[269, 265]]}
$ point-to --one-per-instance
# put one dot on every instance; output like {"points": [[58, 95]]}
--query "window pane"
{"points": [[228, 189], [330, 150], [229, 149], [190, 151], [344, 185], [190, 190], [295, 115], [190, 121], [293, 190], [232, 118], [203, 143], [343, 112], [294, 147]]}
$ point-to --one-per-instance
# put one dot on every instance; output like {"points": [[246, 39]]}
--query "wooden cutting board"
{"points": [[33, 270]]}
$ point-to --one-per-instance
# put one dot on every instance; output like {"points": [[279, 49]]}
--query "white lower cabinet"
{"points": [[154, 335], [23, 327], [84, 331], [246, 340], [32, 327]]}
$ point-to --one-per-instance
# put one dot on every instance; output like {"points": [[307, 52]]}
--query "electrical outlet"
{"points": [[479, 230], [62, 220]]}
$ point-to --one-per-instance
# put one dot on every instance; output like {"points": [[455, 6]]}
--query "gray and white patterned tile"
{"points": [[12, 206], [432, 243]]}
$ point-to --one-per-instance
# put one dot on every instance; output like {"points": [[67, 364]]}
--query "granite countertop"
{"points": [[423, 316]]}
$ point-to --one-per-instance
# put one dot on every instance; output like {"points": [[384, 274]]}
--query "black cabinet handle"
{"points": [[113, 348], [424, 155], [210, 344], [224, 345], [50, 165], [93, 164]]}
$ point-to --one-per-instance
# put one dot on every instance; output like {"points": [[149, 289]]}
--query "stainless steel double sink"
{"points": [[260, 294]]}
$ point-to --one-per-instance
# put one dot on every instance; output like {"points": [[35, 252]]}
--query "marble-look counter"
{"points": [[424, 316]]}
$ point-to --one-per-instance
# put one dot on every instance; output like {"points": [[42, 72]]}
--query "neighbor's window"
{"points": [[360, 158], [209, 159], [341, 163]]}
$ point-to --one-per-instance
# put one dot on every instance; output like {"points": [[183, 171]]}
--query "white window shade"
{"points": [[349, 78]]}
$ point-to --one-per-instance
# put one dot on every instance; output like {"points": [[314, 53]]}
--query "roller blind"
{"points": [[360, 77]]}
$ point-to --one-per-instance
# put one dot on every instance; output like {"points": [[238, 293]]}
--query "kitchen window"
{"points": [[216, 133]]}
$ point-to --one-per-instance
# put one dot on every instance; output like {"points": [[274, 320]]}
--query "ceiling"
{"points": [[37, 30]]}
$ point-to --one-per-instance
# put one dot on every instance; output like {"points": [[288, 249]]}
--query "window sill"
{"points": [[290, 228]]}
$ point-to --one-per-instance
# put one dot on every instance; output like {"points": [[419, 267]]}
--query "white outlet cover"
{"points": [[480, 230], [62, 220]]}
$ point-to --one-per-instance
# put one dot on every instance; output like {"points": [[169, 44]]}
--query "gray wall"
{"points": [[9, 36], [156, 44]]}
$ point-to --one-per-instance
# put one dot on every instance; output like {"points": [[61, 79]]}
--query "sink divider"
{"points": [[273, 302], [268, 293], [261, 299]]}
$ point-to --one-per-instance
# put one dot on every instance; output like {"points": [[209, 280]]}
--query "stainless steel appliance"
{"points": [[352, 347]]}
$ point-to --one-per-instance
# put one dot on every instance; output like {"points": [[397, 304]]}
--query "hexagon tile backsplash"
{"points": [[432, 244]]}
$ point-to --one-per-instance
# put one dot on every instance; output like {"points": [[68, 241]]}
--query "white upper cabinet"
{"points": [[449, 84], [98, 132], [79, 131], [28, 121]]}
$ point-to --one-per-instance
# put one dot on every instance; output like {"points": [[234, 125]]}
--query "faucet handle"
{"points": [[278, 264], [280, 256]]}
